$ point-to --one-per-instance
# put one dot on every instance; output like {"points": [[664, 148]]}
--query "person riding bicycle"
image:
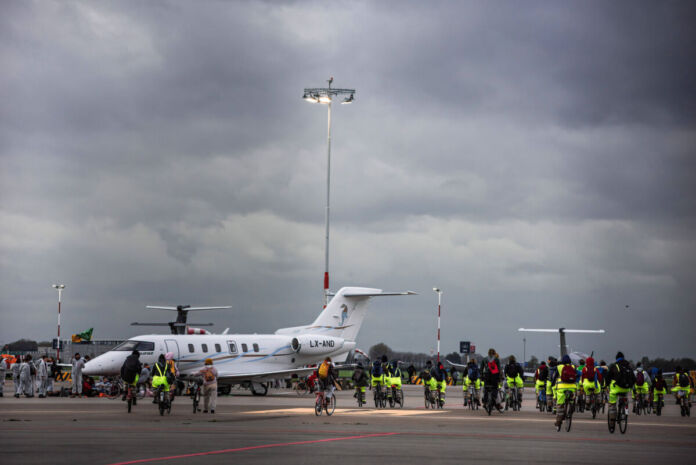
{"points": [[327, 376], [682, 385], [377, 374], [659, 387], [395, 372], [620, 379], [359, 379], [472, 377], [551, 385], [541, 375], [513, 375], [565, 385], [491, 378], [581, 366], [162, 376], [642, 385], [590, 383], [426, 376], [130, 371], [439, 375]]}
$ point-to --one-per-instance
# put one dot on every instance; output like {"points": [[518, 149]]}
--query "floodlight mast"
{"points": [[325, 95], [59, 288]]}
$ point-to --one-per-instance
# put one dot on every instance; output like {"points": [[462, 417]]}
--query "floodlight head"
{"points": [[437, 290], [324, 99], [309, 98], [347, 100], [58, 286]]}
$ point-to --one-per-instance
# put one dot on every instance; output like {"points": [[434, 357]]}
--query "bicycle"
{"points": [[683, 396], [300, 387], [380, 397], [512, 399], [195, 393], [360, 395], [568, 408], [594, 407], [396, 397], [639, 404], [489, 401], [659, 404], [115, 390], [581, 400], [440, 398], [430, 398], [321, 403], [541, 400], [130, 396], [473, 398], [164, 401], [621, 414]]}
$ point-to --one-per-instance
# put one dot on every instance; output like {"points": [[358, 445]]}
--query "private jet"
{"points": [[253, 360]]}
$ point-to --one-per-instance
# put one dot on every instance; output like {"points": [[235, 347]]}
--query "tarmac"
{"points": [[282, 428]]}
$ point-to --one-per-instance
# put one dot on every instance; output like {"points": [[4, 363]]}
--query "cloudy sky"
{"points": [[536, 161]]}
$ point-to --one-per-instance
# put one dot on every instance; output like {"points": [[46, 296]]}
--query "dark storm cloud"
{"points": [[525, 158]]}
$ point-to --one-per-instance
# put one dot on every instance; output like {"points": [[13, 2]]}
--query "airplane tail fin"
{"points": [[344, 315]]}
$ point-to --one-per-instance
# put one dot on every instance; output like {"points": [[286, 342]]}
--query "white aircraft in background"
{"points": [[254, 359], [575, 357]]}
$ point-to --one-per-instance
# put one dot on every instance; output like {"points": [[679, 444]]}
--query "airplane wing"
{"points": [[235, 378], [457, 365]]}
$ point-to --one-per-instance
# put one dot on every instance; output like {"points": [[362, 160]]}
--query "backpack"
{"points": [[640, 379], [377, 368], [683, 380], [568, 374], [323, 370], [32, 369], [474, 373], [130, 369], [625, 377]]}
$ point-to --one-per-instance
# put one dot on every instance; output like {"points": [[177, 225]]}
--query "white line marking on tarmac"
{"points": [[356, 412]]}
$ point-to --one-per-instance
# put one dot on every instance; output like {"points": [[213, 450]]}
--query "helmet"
{"points": [[582, 361], [208, 361], [169, 356]]}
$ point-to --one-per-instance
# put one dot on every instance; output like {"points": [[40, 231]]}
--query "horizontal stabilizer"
{"points": [[595, 331]]}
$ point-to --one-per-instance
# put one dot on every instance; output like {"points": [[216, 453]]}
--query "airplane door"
{"points": [[173, 346]]}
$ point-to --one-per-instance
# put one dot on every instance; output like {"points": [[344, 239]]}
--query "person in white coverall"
{"points": [[77, 366], [3, 371], [26, 379], [42, 376], [15, 376]]}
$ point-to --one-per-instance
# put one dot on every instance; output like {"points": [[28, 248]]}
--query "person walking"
{"points": [[26, 377], [210, 375], [77, 366], [42, 376]]}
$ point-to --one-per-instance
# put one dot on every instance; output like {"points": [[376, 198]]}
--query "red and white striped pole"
{"points": [[60, 288], [439, 297]]}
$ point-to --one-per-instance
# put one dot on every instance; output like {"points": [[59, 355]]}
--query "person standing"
{"points": [[3, 371], [42, 376], [77, 366], [210, 376], [26, 377], [15, 376]]}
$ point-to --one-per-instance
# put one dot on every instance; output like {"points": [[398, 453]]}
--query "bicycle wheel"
{"points": [[130, 403], [377, 396], [569, 419], [301, 389], [383, 401], [611, 424], [623, 421], [196, 400], [330, 406], [658, 407], [318, 406]]}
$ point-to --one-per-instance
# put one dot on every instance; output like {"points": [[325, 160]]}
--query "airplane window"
{"points": [[245, 348], [204, 347], [133, 345], [233, 347], [145, 346], [256, 347], [191, 349], [218, 348]]}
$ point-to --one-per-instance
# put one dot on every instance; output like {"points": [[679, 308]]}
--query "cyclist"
{"points": [[590, 383], [682, 385], [395, 371], [130, 372], [491, 378], [327, 378], [551, 385], [472, 378], [377, 374], [620, 379], [162, 377], [659, 388], [440, 376], [565, 385], [642, 385], [360, 380], [580, 367], [513, 375], [541, 376]]}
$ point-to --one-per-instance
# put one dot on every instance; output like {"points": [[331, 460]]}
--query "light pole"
{"points": [[60, 288], [524, 351], [325, 95], [439, 301]]}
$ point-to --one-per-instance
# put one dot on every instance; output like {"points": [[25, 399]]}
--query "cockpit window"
{"points": [[129, 346]]}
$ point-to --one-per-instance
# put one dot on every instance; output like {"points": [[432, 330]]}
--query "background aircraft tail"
{"points": [[344, 315]]}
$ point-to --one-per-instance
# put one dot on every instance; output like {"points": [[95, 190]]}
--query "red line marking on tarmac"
{"points": [[264, 446]]}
